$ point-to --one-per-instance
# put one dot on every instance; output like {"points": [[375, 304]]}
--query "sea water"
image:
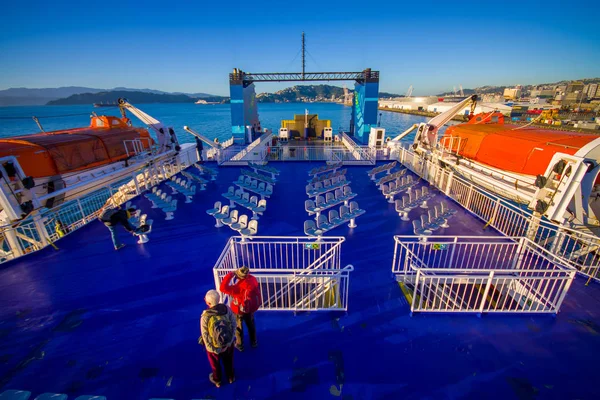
{"points": [[214, 121]]}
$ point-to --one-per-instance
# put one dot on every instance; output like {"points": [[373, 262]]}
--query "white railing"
{"points": [[348, 152], [294, 273], [45, 227], [480, 274], [356, 154], [300, 153], [254, 152], [577, 249]]}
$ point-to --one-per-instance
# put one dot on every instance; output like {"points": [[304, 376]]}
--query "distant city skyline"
{"points": [[193, 47]]}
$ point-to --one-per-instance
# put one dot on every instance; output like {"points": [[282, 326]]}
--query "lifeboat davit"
{"points": [[51, 154]]}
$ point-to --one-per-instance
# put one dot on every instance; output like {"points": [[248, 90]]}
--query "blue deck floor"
{"points": [[89, 320]]}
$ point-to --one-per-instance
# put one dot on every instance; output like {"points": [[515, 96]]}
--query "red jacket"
{"points": [[245, 293]]}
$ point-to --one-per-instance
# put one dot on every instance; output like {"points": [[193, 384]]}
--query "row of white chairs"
{"points": [[261, 188], [264, 168], [324, 224], [434, 219], [195, 178], [416, 198], [331, 199], [396, 187], [325, 168], [163, 201], [204, 170], [391, 177], [258, 207], [258, 177], [382, 168], [328, 175], [25, 395], [239, 223], [314, 189], [182, 186]]}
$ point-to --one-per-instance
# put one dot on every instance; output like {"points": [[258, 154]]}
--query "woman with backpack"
{"points": [[216, 335], [245, 301]]}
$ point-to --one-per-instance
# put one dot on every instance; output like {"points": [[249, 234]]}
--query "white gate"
{"points": [[294, 273], [480, 274]]}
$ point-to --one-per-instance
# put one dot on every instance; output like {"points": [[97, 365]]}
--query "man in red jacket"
{"points": [[245, 301]]}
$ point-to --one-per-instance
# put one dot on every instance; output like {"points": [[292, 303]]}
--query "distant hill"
{"points": [[386, 95], [301, 93], [132, 96], [195, 95], [32, 97], [500, 89]]}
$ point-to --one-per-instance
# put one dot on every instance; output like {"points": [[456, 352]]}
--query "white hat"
{"points": [[212, 298]]}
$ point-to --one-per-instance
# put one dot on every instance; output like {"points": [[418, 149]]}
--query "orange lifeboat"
{"points": [[487, 140], [71, 150]]}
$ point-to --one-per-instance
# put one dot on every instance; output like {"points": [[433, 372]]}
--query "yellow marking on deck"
{"points": [[407, 293]]}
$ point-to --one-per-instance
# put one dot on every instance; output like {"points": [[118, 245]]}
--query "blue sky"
{"points": [[191, 46]]}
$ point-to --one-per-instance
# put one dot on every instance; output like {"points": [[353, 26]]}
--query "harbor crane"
{"points": [[409, 91]]}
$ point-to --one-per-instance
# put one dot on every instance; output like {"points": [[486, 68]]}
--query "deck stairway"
{"points": [[255, 152]]}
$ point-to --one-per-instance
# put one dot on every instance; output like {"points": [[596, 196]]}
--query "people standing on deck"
{"points": [[112, 218], [199, 148], [216, 335], [246, 299]]}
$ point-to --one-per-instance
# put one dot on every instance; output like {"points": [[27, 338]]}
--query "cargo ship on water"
{"points": [[102, 104], [365, 244]]}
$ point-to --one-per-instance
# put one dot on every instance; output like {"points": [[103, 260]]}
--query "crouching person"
{"points": [[216, 334], [113, 217], [245, 301]]}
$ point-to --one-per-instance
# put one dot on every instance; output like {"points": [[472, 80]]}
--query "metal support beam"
{"points": [[249, 77]]}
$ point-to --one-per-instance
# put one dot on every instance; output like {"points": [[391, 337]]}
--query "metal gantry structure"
{"points": [[247, 78], [244, 113]]}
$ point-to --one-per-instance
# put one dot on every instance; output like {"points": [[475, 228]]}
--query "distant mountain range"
{"points": [[32, 97], [133, 97], [84, 95]]}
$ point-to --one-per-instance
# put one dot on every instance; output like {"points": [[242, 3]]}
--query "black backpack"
{"points": [[220, 330]]}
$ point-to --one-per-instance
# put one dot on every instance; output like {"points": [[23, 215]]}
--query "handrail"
{"points": [[75, 213]]}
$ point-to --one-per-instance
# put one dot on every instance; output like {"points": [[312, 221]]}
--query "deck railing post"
{"points": [[519, 254], [135, 182], [415, 290], [454, 245], [449, 183], [41, 229], [486, 292], [13, 241], [83, 217], [565, 290], [469, 195]]}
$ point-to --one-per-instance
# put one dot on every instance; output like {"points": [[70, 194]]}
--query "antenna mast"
{"points": [[303, 51]]}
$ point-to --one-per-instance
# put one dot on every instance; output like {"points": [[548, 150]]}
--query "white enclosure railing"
{"points": [[576, 249], [480, 274], [356, 154], [294, 273], [45, 227]]}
